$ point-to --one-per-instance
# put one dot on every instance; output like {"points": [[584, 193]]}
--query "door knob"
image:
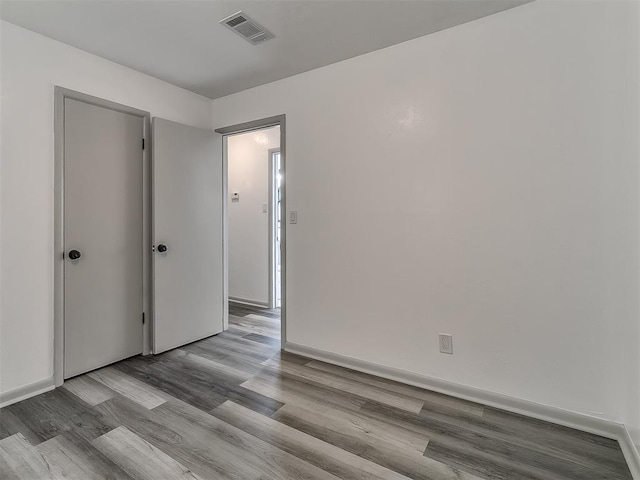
{"points": [[162, 248], [74, 254]]}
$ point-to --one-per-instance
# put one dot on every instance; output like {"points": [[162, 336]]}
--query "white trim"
{"points": [[245, 301], [578, 421], [225, 236], [273, 223], [26, 391], [631, 452]]}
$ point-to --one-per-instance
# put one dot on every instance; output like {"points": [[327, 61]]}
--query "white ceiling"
{"points": [[181, 42]]}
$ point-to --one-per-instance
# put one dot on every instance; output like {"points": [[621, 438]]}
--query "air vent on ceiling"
{"points": [[246, 28]]}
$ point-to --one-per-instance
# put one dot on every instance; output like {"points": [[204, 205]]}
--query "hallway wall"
{"points": [[248, 167]]}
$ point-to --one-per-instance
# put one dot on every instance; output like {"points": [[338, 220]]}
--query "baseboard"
{"points": [[26, 391], [578, 421], [246, 301], [631, 453]]}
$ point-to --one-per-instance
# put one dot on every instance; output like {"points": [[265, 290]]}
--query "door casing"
{"points": [[277, 120], [273, 221], [60, 94]]}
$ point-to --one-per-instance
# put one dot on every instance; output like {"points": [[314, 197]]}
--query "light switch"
{"points": [[235, 197], [265, 208], [293, 216]]}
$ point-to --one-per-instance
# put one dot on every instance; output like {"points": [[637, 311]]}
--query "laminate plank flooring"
{"points": [[19, 459], [88, 389], [235, 407], [139, 458], [48, 415], [71, 457], [408, 390], [381, 395], [129, 387]]}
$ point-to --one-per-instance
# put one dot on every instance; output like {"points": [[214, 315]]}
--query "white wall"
{"points": [[481, 181], [31, 66], [248, 225]]}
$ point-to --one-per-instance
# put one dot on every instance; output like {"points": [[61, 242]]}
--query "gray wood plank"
{"points": [[352, 425], [12, 425], [5, 428], [559, 442], [408, 390], [290, 389], [256, 337], [251, 325], [370, 439], [210, 447], [364, 390], [252, 352], [70, 456], [140, 459], [264, 320], [503, 455], [206, 454], [216, 368], [484, 466], [239, 362], [290, 357], [19, 460], [332, 459], [196, 387], [268, 459], [55, 412], [171, 383], [88, 389], [240, 310], [241, 346], [565, 442], [137, 391]]}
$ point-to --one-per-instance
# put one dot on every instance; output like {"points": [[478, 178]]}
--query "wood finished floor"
{"points": [[233, 407]]}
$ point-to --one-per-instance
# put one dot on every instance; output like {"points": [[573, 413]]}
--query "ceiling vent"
{"points": [[247, 28]]}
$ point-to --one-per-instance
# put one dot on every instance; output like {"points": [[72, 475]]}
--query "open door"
{"points": [[187, 234]]}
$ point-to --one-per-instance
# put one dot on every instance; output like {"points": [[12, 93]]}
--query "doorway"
{"points": [[254, 159]]}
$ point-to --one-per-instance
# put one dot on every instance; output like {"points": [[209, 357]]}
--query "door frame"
{"points": [[273, 221], [277, 120], [60, 94]]}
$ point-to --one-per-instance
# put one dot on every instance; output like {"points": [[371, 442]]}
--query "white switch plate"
{"points": [[293, 216], [446, 343], [265, 208]]}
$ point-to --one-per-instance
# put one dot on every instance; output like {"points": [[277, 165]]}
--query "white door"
{"points": [[187, 234], [103, 160]]}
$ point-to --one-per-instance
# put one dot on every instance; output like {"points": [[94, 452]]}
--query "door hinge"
{"points": [[143, 143], [143, 318]]}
